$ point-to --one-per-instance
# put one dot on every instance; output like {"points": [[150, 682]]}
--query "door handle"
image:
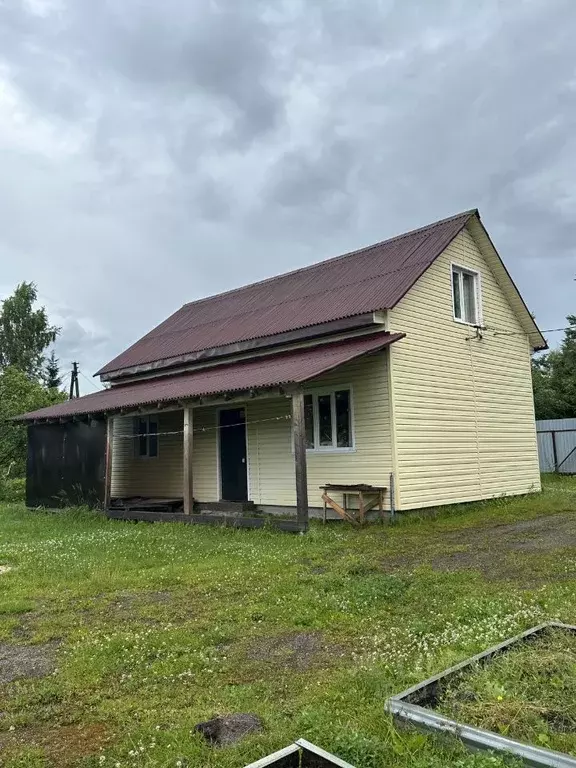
{"points": [[243, 461]]}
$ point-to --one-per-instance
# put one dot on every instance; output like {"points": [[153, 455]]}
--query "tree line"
{"points": [[29, 378], [554, 378]]}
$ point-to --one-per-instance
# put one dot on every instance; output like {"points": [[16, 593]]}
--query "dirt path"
{"points": [[498, 552]]}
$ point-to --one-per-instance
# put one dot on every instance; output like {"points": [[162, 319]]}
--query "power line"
{"points": [[523, 333], [202, 430], [94, 386]]}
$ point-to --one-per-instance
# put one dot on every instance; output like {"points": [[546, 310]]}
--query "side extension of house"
{"points": [[462, 400]]}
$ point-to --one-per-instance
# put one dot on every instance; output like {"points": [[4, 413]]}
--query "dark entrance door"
{"points": [[233, 466]]}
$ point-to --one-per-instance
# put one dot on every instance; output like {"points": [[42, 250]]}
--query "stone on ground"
{"points": [[228, 729]]}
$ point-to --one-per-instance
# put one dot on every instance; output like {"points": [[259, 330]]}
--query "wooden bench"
{"points": [[369, 496]]}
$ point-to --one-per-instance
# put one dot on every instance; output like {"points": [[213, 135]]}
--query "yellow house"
{"points": [[399, 372]]}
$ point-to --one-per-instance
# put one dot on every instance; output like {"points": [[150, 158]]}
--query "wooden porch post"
{"points": [[299, 433], [108, 470], [187, 458]]}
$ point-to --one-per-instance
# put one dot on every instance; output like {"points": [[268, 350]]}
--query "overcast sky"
{"points": [[156, 152]]}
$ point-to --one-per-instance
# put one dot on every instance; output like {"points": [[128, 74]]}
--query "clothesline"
{"points": [[201, 430]]}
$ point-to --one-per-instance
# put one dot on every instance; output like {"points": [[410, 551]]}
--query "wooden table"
{"points": [[369, 496]]}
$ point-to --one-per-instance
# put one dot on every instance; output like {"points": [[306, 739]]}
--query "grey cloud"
{"points": [[153, 54], [306, 177]]}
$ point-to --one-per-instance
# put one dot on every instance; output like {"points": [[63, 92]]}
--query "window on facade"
{"points": [[328, 420], [146, 432], [465, 294]]}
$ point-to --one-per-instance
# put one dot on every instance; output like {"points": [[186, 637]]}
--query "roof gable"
{"points": [[508, 286], [367, 280]]}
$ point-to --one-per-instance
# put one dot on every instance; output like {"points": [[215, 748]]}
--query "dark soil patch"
{"points": [[127, 600], [147, 608], [21, 661], [314, 566], [229, 729], [298, 651], [494, 550], [63, 746], [24, 631]]}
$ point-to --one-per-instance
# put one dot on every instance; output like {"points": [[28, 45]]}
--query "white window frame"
{"points": [[146, 418], [315, 393], [461, 270]]}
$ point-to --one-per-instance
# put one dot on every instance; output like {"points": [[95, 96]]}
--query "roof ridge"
{"points": [[274, 278]]}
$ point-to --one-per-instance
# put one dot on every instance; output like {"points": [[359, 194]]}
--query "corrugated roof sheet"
{"points": [[293, 367], [367, 280]]}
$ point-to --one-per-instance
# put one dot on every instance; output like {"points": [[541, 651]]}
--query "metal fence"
{"points": [[557, 445]]}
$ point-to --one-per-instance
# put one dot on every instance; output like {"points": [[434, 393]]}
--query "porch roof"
{"points": [[287, 368]]}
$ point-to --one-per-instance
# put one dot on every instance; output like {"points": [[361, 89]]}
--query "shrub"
{"points": [[14, 489]]}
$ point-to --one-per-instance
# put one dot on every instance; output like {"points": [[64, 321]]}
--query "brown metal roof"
{"points": [[293, 367], [368, 280]]}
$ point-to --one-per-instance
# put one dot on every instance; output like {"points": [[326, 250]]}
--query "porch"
{"points": [[239, 457], [268, 432], [194, 464]]}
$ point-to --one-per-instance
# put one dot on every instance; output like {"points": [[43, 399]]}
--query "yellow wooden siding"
{"points": [[204, 457], [270, 456], [161, 476], [463, 408]]}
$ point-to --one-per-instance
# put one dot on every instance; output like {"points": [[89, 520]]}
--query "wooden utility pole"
{"points": [[74, 389], [108, 477], [299, 435], [187, 472]]}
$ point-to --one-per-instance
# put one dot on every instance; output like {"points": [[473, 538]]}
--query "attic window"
{"points": [[466, 295]]}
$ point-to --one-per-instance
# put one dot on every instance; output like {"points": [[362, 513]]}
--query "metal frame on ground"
{"points": [[406, 707], [290, 756]]}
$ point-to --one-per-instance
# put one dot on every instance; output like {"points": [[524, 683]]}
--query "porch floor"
{"points": [[175, 505], [233, 519]]}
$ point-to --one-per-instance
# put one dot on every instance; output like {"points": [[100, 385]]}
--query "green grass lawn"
{"points": [[136, 632]]}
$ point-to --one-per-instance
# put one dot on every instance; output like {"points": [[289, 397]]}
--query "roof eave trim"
{"points": [[303, 334], [36, 416], [390, 338]]}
